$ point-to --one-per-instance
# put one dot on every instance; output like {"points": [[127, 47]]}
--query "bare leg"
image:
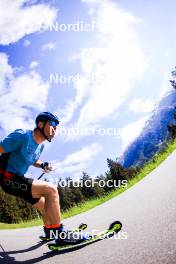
{"points": [[41, 207], [52, 204]]}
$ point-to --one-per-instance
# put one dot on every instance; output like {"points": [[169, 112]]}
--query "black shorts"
{"points": [[18, 186]]}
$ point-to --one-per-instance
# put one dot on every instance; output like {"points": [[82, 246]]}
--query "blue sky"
{"points": [[123, 65]]}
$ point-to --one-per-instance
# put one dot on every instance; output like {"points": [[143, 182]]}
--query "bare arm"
{"points": [[37, 164], [2, 150], [46, 166]]}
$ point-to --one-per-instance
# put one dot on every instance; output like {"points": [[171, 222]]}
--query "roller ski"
{"points": [[81, 240], [49, 234]]}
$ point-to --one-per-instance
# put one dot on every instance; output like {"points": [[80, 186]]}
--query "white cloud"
{"points": [[140, 105], [49, 46], [16, 21], [130, 132], [20, 95], [78, 161], [82, 91], [6, 72], [33, 64], [115, 58], [26, 43]]}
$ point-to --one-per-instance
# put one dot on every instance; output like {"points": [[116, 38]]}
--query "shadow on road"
{"points": [[24, 250], [5, 257]]}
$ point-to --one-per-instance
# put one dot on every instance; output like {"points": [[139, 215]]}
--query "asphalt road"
{"points": [[147, 211]]}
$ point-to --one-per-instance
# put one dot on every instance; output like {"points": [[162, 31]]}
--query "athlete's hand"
{"points": [[47, 167]]}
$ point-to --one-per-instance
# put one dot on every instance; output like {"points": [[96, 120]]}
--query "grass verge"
{"points": [[150, 166]]}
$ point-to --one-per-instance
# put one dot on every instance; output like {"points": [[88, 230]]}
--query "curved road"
{"points": [[147, 211]]}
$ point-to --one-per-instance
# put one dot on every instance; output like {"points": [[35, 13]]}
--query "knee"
{"points": [[51, 190]]}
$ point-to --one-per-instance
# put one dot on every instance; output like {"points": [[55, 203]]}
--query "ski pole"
{"points": [[41, 176]]}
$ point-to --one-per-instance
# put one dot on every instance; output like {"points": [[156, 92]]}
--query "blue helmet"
{"points": [[47, 116]]}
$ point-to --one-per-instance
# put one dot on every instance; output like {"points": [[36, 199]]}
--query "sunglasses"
{"points": [[52, 123]]}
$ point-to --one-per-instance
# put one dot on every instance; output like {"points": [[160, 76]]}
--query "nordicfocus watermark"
{"points": [[62, 79], [78, 26], [91, 183], [87, 131], [55, 234]]}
